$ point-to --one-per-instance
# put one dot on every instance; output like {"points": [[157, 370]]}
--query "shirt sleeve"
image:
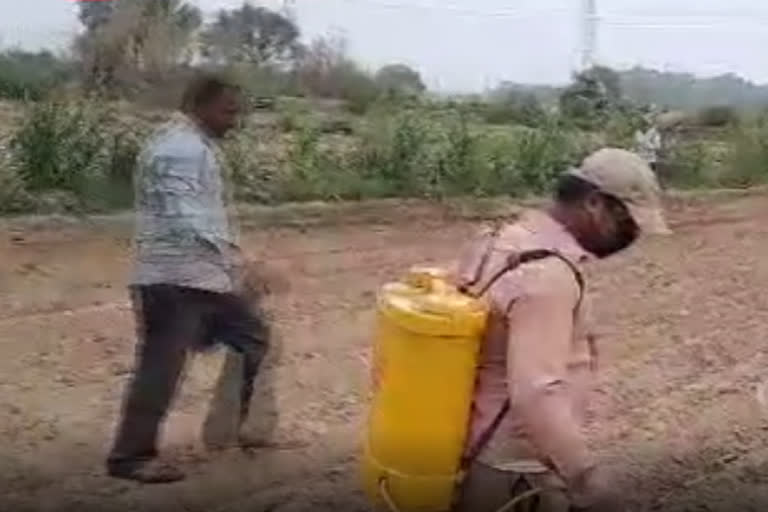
{"points": [[541, 323]]}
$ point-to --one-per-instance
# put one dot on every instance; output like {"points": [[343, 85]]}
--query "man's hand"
{"points": [[259, 279]]}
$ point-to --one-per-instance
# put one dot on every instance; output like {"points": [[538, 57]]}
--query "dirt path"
{"points": [[684, 322]]}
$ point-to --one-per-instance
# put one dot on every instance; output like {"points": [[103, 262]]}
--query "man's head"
{"points": [[214, 102], [609, 201], [649, 119]]}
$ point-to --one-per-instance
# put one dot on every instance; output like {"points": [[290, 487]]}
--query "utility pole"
{"points": [[589, 22]]}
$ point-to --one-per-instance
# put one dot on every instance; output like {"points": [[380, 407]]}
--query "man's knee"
{"points": [[487, 488], [239, 325]]}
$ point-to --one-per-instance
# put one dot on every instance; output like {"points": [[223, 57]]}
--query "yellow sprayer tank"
{"points": [[424, 363]]}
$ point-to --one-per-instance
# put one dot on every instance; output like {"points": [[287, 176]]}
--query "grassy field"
{"points": [[77, 155]]}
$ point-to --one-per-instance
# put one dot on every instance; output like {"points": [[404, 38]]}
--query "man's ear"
{"points": [[593, 205]]}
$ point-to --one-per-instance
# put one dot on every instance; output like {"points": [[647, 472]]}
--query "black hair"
{"points": [[574, 191], [571, 189], [204, 88]]}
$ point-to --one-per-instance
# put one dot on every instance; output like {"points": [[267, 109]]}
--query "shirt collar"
{"points": [[546, 232], [185, 121]]}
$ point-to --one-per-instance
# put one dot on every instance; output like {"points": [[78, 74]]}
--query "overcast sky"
{"points": [[470, 44]]}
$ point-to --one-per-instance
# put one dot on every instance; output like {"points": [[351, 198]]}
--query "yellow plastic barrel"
{"points": [[424, 364]]}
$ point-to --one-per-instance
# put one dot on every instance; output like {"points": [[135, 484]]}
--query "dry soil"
{"points": [[683, 323]]}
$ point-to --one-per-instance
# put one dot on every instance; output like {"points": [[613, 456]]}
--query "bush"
{"points": [[619, 129], [30, 76], [68, 147], [81, 154], [687, 165], [718, 117], [60, 145], [326, 71], [14, 198], [395, 153], [746, 163], [292, 115], [737, 158], [400, 80], [113, 187], [457, 164], [515, 108], [418, 153]]}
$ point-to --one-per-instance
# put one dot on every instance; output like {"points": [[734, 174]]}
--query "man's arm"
{"points": [[541, 323], [540, 336]]}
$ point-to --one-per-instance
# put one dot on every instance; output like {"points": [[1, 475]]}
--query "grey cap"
{"points": [[630, 179]]}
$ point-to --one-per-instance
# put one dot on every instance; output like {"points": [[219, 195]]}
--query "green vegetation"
{"points": [[401, 152], [30, 76], [76, 152], [322, 127]]}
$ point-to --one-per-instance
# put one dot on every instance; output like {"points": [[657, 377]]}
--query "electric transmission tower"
{"points": [[288, 9], [589, 21]]}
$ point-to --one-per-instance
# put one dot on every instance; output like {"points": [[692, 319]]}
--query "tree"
{"points": [[609, 79], [178, 14], [95, 14], [31, 75], [514, 106], [168, 27], [325, 70], [129, 36], [400, 79], [591, 95], [255, 35]]}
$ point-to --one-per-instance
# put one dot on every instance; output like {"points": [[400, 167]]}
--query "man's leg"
{"points": [[554, 497], [487, 489], [241, 326], [167, 324], [222, 421]]}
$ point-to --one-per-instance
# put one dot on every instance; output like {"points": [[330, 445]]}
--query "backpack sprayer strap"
{"points": [[485, 437], [512, 262], [471, 276]]}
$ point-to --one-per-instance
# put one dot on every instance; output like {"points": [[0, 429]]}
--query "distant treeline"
{"points": [[673, 90]]}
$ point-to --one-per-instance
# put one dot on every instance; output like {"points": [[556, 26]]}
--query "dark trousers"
{"points": [[171, 321], [487, 489]]}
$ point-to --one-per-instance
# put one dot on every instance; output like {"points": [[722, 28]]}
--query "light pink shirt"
{"points": [[536, 352]]}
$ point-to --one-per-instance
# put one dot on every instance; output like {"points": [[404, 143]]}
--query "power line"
{"points": [[676, 20], [615, 19], [608, 17], [524, 13], [688, 14], [499, 13], [631, 24]]}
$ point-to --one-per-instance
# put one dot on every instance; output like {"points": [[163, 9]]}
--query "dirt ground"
{"points": [[683, 323]]}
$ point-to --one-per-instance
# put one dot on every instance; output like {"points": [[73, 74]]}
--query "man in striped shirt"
{"points": [[189, 284]]}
